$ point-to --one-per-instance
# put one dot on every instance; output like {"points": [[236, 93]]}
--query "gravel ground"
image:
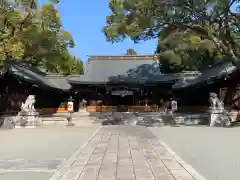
{"points": [[34, 154], [213, 152]]}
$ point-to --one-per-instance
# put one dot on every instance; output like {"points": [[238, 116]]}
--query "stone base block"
{"points": [[81, 113], [233, 116], [6, 122], [220, 119], [27, 120]]}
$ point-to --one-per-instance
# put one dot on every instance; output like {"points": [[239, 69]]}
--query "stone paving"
{"points": [[122, 153]]}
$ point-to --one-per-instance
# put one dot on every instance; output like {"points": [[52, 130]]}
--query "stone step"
{"points": [[157, 119], [62, 120], [6, 123], [65, 119], [74, 122], [65, 114], [55, 118]]}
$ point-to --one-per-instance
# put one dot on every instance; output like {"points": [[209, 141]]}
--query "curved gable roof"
{"points": [[36, 76], [124, 71], [213, 73]]}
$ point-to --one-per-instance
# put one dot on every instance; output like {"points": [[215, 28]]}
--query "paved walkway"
{"points": [[123, 153]]}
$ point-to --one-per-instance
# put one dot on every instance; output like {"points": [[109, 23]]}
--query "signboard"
{"points": [[122, 93], [70, 106]]}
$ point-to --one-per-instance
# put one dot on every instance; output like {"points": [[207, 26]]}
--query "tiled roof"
{"points": [[132, 57], [211, 74], [121, 71], [35, 76]]}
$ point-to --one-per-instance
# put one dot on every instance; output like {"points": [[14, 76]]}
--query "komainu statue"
{"points": [[28, 106], [218, 115], [28, 115], [82, 103]]}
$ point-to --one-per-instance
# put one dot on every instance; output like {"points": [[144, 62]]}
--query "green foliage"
{"points": [[183, 49], [70, 65], [34, 34], [130, 52], [204, 30]]}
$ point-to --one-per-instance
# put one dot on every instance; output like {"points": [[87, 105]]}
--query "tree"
{"points": [[33, 34], [212, 20], [182, 49], [71, 65], [130, 52], [77, 67]]}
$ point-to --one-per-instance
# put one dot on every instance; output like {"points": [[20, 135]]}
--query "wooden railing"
{"points": [[130, 108], [193, 108], [101, 108], [142, 108], [145, 108], [52, 110]]}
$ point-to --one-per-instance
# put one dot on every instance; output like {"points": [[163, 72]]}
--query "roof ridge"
{"points": [[121, 55], [138, 57]]}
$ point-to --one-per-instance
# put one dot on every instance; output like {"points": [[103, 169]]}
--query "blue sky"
{"points": [[84, 20]]}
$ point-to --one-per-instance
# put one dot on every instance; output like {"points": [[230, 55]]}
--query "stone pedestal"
{"points": [[7, 122], [27, 120], [219, 118], [179, 119], [233, 116], [83, 111]]}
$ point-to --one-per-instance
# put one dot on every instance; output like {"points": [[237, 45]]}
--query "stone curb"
{"points": [[66, 164], [4, 171], [196, 175], [76, 123]]}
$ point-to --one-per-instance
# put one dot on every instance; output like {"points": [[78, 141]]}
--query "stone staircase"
{"points": [[78, 119], [6, 122], [153, 119]]}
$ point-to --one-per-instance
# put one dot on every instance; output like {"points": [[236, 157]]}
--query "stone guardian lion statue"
{"points": [[218, 115], [29, 104]]}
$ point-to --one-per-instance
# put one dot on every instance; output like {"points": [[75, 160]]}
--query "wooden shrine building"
{"points": [[131, 81], [221, 78], [18, 80]]}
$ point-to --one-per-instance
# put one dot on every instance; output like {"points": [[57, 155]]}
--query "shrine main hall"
{"points": [[133, 82]]}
